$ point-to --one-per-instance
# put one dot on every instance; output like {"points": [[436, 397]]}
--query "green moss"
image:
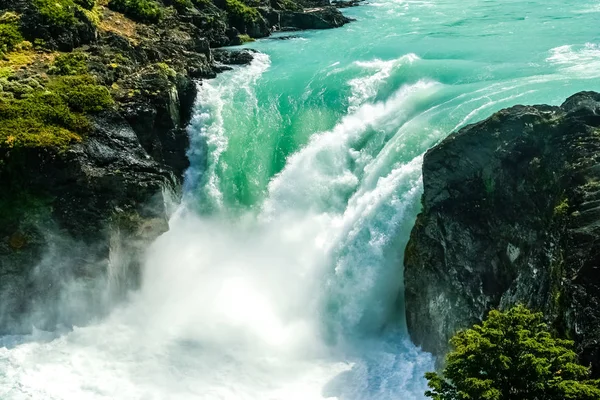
{"points": [[93, 14], [10, 36], [165, 70], [52, 116], [147, 11], [57, 13], [241, 12], [562, 208], [245, 38], [82, 93], [69, 64], [5, 72]]}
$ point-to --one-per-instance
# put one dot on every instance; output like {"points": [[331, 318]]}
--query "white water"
{"points": [[275, 304]]}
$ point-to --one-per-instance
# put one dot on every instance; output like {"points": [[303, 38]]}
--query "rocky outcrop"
{"points": [[86, 178], [311, 18], [78, 207], [511, 214]]}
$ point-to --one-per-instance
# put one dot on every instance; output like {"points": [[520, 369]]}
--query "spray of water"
{"points": [[287, 301]]}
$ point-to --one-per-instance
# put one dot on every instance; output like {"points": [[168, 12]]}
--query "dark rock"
{"points": [[347, 3], [286, 37], [314, 3], [511, 214], [229, 57], [75, 216], [85, 213], [64, 37], [316, 18]]}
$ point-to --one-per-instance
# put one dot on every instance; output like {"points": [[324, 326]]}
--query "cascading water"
{"points": [[281, 275]]}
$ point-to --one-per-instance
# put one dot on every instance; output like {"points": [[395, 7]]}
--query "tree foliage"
{"points": [[512, 355]]}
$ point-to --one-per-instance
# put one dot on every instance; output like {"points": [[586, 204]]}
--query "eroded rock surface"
{"points": [[511, 214]]}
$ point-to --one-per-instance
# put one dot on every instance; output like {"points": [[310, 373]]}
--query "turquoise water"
{"points": [[480, 56], [281, 276]]}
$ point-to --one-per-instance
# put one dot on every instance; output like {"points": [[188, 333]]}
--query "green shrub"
{"points": [[57, 13], [147, 11], [241, 12], [10, 36], [69, 64], [512, 355]]}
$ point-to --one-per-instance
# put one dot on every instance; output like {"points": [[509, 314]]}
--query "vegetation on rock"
{"points": [[50, 116], [240, 12], [10, 36], [147, 11], [69, 64], [87, 4], [57, 13], [512, 355], [245, 38]]}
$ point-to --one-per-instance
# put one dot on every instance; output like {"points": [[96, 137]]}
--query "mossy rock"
{"points": [[70, 64], [52, 116], [147, 11], [60, 24]]}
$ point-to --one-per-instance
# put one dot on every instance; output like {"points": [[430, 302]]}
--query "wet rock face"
{"points": [[311, 18], [511, 214], [71, 217]]}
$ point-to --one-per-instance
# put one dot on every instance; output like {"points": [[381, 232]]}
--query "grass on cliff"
{"points": [[147, 11], [50, 116], [241, 12], [57, 13], [70, 64]]}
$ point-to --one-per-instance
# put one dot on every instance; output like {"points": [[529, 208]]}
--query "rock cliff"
{"points": [[511, 214], [95, 96]]}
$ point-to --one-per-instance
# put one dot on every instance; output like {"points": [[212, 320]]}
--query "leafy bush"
{"points": [[10, 36], [512, 355], [56, 13], [239, 11], [140, 10], [69, 64]]}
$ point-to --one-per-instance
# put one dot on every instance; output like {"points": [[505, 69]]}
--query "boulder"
{"points": [[313, 18], [511, 214]]}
